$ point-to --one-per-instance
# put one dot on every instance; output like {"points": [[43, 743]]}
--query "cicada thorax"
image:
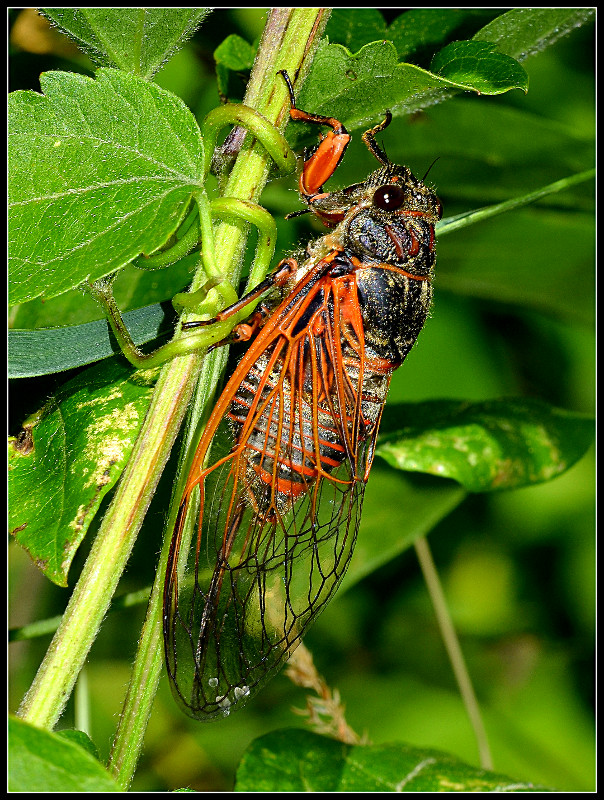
{"points": [[276, 489], [386, 230]]}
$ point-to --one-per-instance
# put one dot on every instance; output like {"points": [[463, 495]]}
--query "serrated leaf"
{"points": [[335, 85], [479, 67], [41, 761], [69, 457], [136, 40], [299, 761], [100, 171], [234, 54], [422, 30], [498, 444], [355, 27], [418, 32], [357, 88]]}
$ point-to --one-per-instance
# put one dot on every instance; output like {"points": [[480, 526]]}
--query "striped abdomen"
{"points": [[293, 435]]}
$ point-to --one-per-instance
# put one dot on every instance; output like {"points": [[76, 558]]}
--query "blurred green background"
{"points": [[513, 316]]}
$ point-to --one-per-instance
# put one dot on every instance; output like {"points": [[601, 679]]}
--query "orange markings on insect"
{"points": [[320, 167], [271, 507]]}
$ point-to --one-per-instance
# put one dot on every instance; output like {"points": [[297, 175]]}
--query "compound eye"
{"points": [[388, 198]]}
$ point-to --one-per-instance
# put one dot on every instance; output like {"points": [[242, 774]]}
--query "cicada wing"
{"points": [[275, 520], [241, 610]]}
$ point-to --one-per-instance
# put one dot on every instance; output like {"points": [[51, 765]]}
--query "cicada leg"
{"points": [[198, 301], [369, 139], [323, 162], [243, 331]]}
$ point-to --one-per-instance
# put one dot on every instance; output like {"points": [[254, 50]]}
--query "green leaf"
{"points": [[81, 739], [423, 30], [234, 54], [355, 27], [490, 153], [294, 760], [42, 761], [553, 275], [136, 40], [498, 444], [478, 66], [398, 509], [100, 171], [522, 32], [133, 289], [67, 459], [45, 351], [357, 88]]}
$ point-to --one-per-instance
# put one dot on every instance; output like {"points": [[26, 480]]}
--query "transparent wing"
{"points": [[274, 519]]}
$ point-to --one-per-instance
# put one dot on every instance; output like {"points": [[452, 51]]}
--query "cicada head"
{"points": [[392, 220]]}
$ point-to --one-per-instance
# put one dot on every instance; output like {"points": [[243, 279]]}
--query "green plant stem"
{"points": [[291, 35], [82, 702], [148, 662], [453, 648], [52, 686], [460, 221]]}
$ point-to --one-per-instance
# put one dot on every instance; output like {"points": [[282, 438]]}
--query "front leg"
{"points": [[324, 160], [201, 302], [243, 331]]}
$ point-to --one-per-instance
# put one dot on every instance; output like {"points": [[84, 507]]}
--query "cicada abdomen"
{"points": [[273, 501]]}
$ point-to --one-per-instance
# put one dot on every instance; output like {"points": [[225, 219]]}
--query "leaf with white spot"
{"points": [[69, 456], [497, 444]]}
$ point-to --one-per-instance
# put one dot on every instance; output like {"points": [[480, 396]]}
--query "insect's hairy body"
{"points": [[277, 510], [394, 304]]}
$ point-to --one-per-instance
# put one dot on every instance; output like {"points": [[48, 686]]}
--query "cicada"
{"points": [[273, 500]]}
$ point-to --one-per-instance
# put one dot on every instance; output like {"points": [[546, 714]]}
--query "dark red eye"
{"points": [[388, 198]]}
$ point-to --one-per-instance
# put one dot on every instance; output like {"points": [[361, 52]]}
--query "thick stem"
{"points": [[88, 604], [148, 663], [291, 34]]}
